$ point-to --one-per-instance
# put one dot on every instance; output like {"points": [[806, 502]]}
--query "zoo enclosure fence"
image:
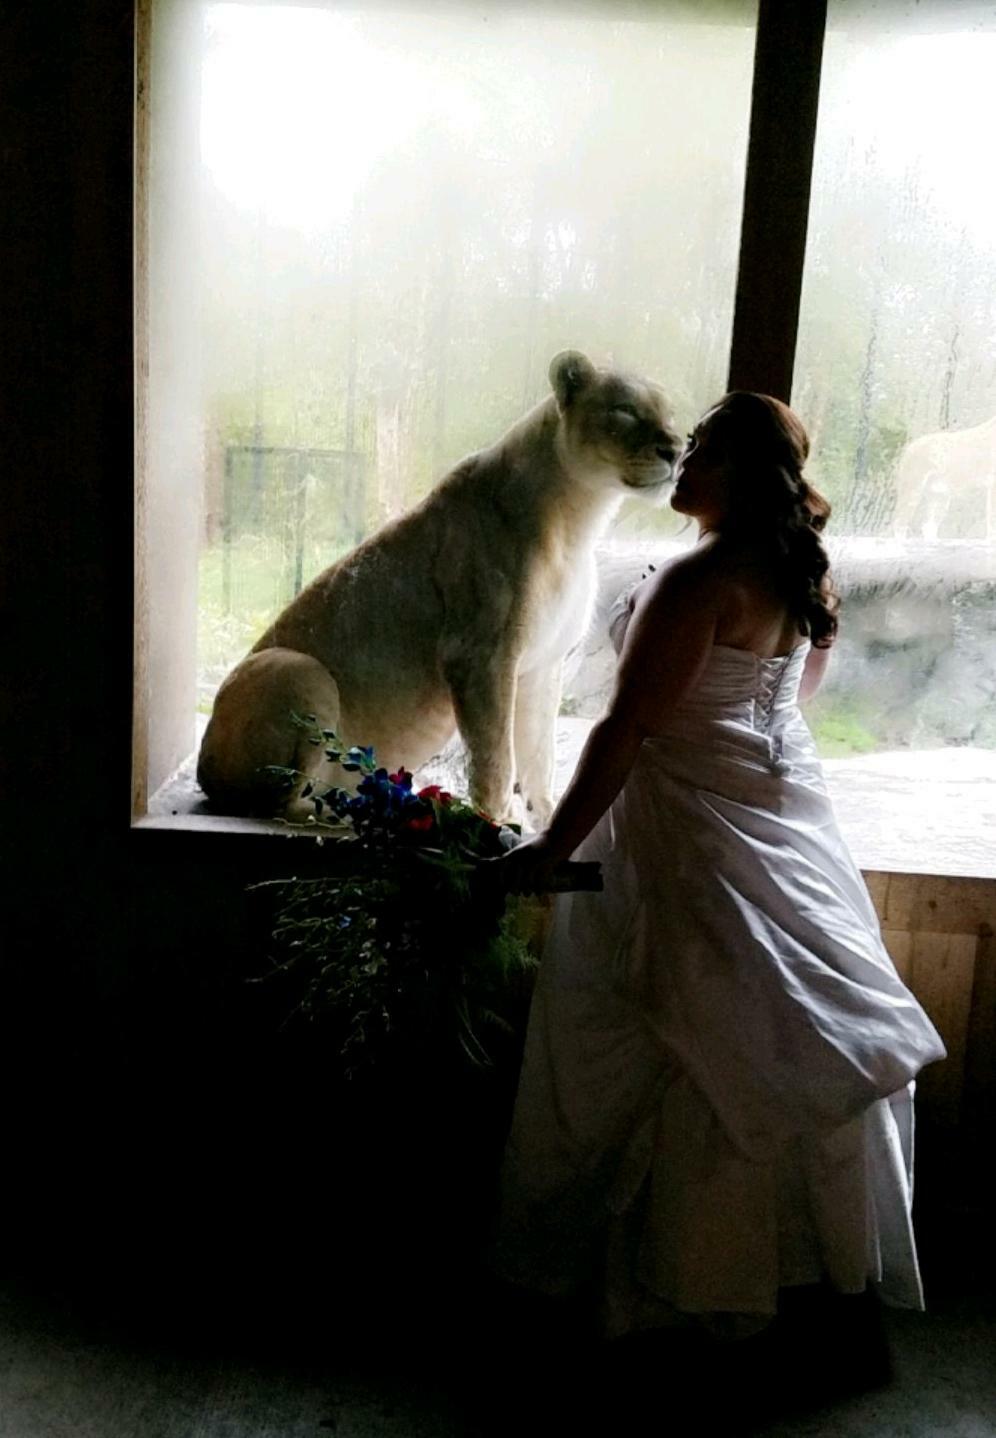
{"points": [[287, 491]]}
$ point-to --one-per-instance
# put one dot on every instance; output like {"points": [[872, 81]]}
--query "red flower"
{"points": [[433, 791], [423, 822], [402, 777]]}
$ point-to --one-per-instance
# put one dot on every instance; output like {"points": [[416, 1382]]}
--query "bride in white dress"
{"points": [[716, 1096]]}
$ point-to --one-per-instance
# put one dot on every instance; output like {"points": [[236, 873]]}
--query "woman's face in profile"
{"points": [[701, 475]]}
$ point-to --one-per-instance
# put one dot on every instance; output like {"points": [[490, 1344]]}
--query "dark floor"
{"points": [[280, 1313], [86, 1358]]}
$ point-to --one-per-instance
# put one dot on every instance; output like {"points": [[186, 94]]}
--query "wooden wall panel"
{"points": [[941, 975], [899, 942], [980, 1056], [939, 933], [928, 904]]}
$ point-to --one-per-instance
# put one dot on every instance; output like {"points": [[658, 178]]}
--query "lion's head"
{"points": [[615, 428]]}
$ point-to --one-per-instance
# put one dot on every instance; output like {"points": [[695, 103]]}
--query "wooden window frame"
{"points": [[785, 95]]}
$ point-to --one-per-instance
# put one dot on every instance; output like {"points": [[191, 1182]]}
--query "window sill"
{"points": [[193, 820]]}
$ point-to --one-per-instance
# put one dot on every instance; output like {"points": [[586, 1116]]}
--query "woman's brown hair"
{"points": [[765, 447]]}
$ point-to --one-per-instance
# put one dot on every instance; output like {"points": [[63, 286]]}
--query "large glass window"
{"points": [[394, 216], [364, 229], [896, 378]]}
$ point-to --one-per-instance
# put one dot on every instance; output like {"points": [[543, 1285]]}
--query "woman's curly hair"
{"points": [[766, 447]]}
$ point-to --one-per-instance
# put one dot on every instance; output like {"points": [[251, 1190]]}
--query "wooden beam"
{"points": [[784, 102], [140, 686]]}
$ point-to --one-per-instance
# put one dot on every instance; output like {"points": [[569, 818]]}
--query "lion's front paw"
{"points": [[516, 812], [505, 806]]}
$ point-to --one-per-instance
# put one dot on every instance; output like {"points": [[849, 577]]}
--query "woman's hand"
{"points": [[528, 868]]}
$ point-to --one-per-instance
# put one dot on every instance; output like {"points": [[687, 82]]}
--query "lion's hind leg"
{"points": [[252, 727]]}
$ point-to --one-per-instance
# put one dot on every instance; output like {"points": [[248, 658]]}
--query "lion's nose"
{"points": [[668, 451]]}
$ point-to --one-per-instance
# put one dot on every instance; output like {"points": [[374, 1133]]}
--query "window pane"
{"points": [[896, 376], [398, 218]]}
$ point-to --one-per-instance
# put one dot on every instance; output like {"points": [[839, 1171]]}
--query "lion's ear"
{"points": [[570, 371]]}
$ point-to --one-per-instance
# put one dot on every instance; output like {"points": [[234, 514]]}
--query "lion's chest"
{"points": [[558, 610]]}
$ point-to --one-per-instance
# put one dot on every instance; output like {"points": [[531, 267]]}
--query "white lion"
{"points": [[458, 615], [946, 485]]}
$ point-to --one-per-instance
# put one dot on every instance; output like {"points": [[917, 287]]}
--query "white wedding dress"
{"points": [[716, 1097]]}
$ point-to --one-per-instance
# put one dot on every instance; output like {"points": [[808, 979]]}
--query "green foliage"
{"points": [[234, 609], [392, 961], [840, 731]]}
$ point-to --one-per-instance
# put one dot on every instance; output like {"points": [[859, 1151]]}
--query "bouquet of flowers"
{"points": [[406, 945]]}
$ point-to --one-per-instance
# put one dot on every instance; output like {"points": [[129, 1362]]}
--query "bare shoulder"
{"points": [[700, 576]]}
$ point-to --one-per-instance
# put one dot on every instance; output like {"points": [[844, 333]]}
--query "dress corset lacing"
{"points": [[765, 701], [740, 695], [742, 699]]}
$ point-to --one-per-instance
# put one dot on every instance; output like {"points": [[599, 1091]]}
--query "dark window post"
{"points": [[784, 100]]}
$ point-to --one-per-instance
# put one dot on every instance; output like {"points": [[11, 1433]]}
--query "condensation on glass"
{"points": [[896, 378], [377, 224]]}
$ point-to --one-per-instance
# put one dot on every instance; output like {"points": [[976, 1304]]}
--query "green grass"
{"points": [[842, 731], [260, 584]]}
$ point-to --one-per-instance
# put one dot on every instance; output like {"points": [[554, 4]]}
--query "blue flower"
{"points": [[359, 757]]}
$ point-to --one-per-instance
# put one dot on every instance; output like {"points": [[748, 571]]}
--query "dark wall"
{"points": [[157, 1117]]}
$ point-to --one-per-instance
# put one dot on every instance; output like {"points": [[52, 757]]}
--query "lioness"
{"points": [[945, 485], [457, 615]]}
